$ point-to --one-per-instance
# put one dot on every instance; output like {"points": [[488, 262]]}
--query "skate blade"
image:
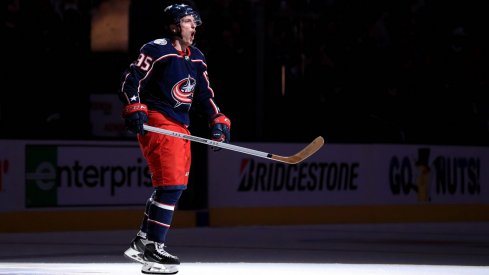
{"points": [[134, 255], [156, 268]]}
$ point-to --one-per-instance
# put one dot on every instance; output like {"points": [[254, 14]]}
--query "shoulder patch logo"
{"points": [[160, 42]]}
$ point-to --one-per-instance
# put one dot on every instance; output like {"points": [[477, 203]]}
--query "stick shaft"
{"points": [[209, 142], [306, 152]]}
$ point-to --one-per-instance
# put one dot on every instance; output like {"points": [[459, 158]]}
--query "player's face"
{"points": [[188, 27]]}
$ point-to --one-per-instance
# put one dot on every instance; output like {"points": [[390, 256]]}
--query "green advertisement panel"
{"points": [[41, 180]]}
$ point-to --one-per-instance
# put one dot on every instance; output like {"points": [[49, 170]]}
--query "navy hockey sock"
{"points": [[160, 213]]}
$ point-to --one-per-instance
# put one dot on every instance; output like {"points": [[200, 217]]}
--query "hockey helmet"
{"points": [[175, 12]]}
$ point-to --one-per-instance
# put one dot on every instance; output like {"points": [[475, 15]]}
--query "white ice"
{"points": [[348, 249], [241, 269]]}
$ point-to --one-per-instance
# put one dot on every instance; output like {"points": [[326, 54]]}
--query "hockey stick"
{"points": [[310, 149]]}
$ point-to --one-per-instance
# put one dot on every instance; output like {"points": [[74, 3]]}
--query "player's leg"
{"points": [[136, 249], [157, 259], [169, 163]]}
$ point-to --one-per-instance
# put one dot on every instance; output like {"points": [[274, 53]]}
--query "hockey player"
{"points": [[159, 88]]}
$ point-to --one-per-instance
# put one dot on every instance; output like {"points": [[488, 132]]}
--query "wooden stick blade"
{"points": [[308, 151]]}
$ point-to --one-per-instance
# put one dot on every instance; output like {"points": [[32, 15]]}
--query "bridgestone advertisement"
{"points": [[350, 175]]}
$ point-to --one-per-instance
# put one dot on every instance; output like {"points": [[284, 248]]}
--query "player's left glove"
{"points": [[135, 115], [220, 129]]}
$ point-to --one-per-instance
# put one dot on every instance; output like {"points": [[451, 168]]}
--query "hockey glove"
{"points": [[220, 129], [135, 115]]}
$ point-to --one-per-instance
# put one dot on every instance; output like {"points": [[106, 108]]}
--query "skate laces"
{"points": [[160, 248]]}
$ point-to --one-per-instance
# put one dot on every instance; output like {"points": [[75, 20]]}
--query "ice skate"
{"points": [[158, 261], [136, 249]]}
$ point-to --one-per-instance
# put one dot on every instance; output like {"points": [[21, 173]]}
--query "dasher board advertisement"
{"points": [[72, 174], [350, 174]]}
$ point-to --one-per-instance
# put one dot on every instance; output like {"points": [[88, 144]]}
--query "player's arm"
{"points": [[132, 78], [134, 112], [219, 123]]}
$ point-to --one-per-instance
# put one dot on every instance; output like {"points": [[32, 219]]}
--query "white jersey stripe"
{"points": [[163, 206]]}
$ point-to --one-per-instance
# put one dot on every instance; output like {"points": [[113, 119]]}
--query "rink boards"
{"points": [[64, 185]]}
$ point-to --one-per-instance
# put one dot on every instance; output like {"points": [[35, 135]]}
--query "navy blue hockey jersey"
{"points": [[169, 81]]}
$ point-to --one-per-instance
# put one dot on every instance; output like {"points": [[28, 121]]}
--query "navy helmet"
{"points": [[175, 12]]}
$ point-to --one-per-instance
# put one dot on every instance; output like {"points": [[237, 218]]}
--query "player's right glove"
{"points": [[135, 115], [220, 129]]}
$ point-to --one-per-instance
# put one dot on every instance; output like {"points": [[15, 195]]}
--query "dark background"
{"points": [[356, 71], [403, 72]]}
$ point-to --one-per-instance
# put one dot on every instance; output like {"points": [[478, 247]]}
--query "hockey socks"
{"points": [[160, 213]]}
